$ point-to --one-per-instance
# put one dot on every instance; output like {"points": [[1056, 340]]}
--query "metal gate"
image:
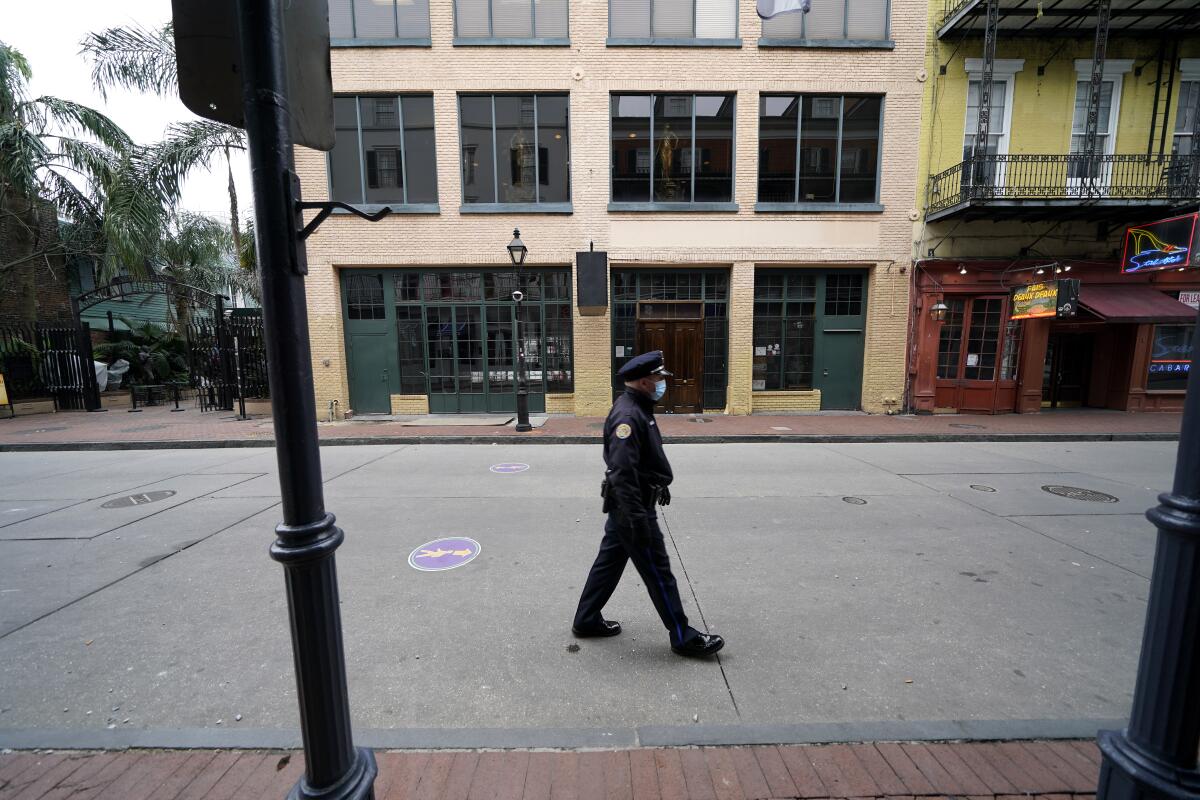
{"points": [[47, 362]]}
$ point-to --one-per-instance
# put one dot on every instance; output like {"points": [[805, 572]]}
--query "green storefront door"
{"points": [[370, 373], [838, 367]]}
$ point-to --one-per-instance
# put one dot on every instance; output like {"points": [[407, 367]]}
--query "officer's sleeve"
{"points": [[624, 452]]}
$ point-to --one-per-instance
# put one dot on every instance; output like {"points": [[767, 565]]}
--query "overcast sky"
{"points": [[48, 32]]}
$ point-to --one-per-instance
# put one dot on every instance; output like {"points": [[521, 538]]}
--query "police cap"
{"points": [[642, 366]]}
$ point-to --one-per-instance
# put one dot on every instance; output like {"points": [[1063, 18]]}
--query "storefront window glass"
{"points": [[950, 341], [1170, 357], [983, 340], [784, 331], [1012, 346]]}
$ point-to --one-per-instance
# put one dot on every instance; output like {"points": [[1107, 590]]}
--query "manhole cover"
{"points": [[979, 487], [139, 499], [1076, 493], [965, 425], [142, 428], [508, 468], [854, 501], [701, 419]]}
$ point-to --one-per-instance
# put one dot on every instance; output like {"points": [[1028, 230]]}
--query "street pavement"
{"points": [[867, 591]]}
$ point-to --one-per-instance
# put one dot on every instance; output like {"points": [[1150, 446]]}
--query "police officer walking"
{"points": [[636, 480]]}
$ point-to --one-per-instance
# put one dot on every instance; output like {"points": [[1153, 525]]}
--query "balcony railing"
{"points": [[1065, 177]]}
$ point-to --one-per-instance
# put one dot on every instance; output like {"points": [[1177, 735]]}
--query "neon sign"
{"points": [[1166, 244]]}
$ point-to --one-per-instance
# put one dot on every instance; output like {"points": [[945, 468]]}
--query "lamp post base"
{"points": [[1129, 773], [522, 427], [358, 784]]}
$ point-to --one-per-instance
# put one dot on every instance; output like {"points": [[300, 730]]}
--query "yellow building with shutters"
{"points": [[1088, 130]]}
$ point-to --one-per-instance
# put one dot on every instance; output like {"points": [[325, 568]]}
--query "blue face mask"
{"points": [[660, 389]]}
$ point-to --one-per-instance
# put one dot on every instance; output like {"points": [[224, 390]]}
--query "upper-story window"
{"points": [[510, 21], [1185, 116], [672, 21], [832, 23], [672, 148], [384, 153], [515, 150], [384, 21], [819, 149]]}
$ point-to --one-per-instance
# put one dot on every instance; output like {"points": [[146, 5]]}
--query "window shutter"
{"points": [[716, 19], [673, 19], [373, 20], [512, 18], [826, 20], [629, 19], [471, 18], [867, 19], [784, 26], [413, 16], [341, 25], [551, 19]]}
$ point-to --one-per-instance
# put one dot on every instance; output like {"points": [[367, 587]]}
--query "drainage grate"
{"points": [[854, 501], [979, 487], [1076, 493], [701, 419], [965, 425]]}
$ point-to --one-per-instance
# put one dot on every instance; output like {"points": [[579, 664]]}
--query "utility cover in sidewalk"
{"points": [[443, 554], [1075, 493], [139, 499], [508, 468]]}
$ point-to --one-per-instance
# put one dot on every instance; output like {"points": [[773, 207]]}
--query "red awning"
{"points": [[1133, 304]]}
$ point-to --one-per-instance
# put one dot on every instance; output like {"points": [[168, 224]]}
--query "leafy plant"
{"points": [[155, 355]]}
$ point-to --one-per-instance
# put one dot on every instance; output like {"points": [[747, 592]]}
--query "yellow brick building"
{"points": [[1048, 196], [772, 268]]}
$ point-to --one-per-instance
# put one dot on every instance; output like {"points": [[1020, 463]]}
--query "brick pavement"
{"points": [[158, 426], [1057, 770]]}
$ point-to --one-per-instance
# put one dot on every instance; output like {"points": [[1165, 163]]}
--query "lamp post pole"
{"points": [[1155, 757], [517, 252], [334, 769]]}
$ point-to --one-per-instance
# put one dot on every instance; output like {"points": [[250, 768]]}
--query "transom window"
{"points": [[849, 21], [378, 19], [666, 20], [819, 148], [672, 148], [364, 297], [510, 19], [384, 150], [515, 149]]}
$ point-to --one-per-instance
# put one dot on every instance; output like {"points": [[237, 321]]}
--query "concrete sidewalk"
{"points": [[160, 428], [1051, 770]]}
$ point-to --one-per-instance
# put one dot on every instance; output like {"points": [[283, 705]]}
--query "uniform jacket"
{"points": [[633, 453]]}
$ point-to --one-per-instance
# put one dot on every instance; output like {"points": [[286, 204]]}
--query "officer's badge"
{"points": [[623, 431]]}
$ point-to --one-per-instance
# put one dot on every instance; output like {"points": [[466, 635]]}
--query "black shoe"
{"points": [[607, 627], [706, 644]]}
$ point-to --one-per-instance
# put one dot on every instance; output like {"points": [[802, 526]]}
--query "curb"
{"points": [[776, 438], [569, 738]]}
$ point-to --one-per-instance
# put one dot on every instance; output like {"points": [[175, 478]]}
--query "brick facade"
{"points": [[36, 290], [738, 241]]}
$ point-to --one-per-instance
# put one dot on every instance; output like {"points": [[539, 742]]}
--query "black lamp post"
{"points": [[517, 252], [1155, 757]]}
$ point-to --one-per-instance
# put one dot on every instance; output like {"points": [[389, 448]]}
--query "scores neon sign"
{"points": [[1166, 244]]}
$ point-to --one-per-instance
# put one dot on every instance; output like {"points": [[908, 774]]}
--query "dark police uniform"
{"points": [[637, 478]]}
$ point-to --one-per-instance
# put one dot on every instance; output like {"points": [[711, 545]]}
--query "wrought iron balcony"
{"points": [[1128, 18], [1065, 184]]}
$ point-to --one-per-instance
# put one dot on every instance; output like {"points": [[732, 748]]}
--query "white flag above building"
{"points": [[773, 8]]}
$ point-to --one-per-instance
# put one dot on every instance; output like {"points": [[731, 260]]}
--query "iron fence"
{"points": [[41, 362], [1064, 177], [214, 366]]}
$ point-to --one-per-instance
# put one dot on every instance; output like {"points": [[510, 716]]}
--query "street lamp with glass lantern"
{"points": [[517, 252]]}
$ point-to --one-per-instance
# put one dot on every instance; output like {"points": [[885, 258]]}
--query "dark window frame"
{"points": [[398, 40], [426, 206], [796, 289], [886, 43], [537, 206], [796, 204], [650, 40], [524, 41]]}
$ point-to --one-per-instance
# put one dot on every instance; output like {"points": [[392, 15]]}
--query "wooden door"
{"points": [[682, 344]]}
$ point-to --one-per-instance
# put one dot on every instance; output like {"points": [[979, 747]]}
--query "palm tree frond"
{"points": [[77, 118], [14, 77], [192, 145], [133, 57]]}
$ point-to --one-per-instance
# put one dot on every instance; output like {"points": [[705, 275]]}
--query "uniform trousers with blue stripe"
{"points": [[651, 562]]}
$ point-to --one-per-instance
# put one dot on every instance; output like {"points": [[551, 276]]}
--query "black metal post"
{"points": [[522, 389], [237, 367], [1155, 757], [307, 538], [133, 399], [175, 386]]}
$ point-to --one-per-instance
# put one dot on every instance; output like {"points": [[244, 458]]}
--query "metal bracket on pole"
{"points": [[325, 209], [1091, 132], [979, 149]]}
